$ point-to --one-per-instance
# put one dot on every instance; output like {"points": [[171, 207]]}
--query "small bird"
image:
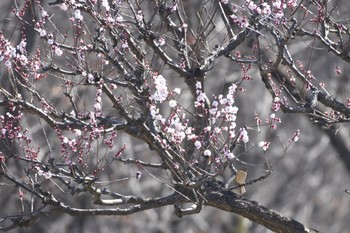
{"points": [[240, 179]]}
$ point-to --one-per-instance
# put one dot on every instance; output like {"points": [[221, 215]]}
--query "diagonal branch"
{"points": [[255, 212]]}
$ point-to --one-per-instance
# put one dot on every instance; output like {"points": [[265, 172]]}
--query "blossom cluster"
{"points": [[8, 52], [221, 113], [12, 130], [161, 89], [273, 9]]}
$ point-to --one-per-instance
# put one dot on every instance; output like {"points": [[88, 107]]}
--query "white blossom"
{"points": [[58, 51], [78, 15], [65, 140], [77, 132], [207, 153], [264, 145], [98, 106], [177, 91], [244, 135], [172, 103], [64, 6], [105, 4], [161, 92], [198, 144], [229, 154], [44, 14]]}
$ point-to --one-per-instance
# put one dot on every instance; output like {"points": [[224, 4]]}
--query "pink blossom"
{"points": [[292, 3], [47, 174], [264, 145], [251, 5], [228, 154], [266, 9], [105, 4], [244, 135]]}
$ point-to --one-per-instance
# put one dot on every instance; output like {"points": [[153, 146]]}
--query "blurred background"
{"points": [[307, 182]]}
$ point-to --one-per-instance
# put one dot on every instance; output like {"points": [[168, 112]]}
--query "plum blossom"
{"points": [[276, 104], [200, 99], [264, 145], [278, 4], [139, 16], [154, 111], [296, 135], [22, 46], [277, 7], [228, 154], [64, 6], [50, 41], [105, 4], [77, 132], [46, 174], [172, 103], [292, 3], [175, 128], [243, 135], [58, 51], [22, 59], [198, 85], [65, 140], [251, 5], [42, 32], [78, 15], [232, 89], [207, 153], [161, 92], [161, 41], [189, 130], [44, 14], [213, 111], [177, 91], [198, 144]]}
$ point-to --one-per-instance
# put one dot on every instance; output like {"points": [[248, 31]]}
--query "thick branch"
{"points": [[255, 212]]}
